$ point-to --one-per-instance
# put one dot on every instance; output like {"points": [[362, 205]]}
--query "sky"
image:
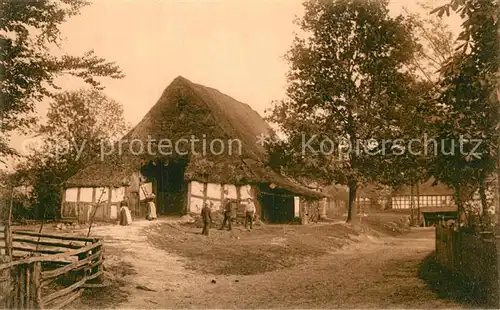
{"points": [[236, 46]]}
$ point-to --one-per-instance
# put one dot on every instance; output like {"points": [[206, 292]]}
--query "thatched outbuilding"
{"points": [[198, 145]]}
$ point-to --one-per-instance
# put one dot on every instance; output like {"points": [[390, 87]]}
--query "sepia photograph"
{"points": [[249, 154]]}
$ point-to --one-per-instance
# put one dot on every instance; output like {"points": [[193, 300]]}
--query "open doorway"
{"points": [[169, 185], [277, 206]]}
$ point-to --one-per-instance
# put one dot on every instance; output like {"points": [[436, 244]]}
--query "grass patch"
{"points": [[449, 286], [238, 252]]}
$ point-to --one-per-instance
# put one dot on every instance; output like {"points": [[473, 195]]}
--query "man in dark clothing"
{"points": [[249, 213], [206, 217], [227, 215]]}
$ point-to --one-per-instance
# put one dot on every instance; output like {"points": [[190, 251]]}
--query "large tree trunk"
{"points": [[497, 202], [484, 201], [352, 210], [412, 207], [464, 194], [418, 205], [460, 206]]}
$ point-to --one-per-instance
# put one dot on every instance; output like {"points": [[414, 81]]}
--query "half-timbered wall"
{"points": [[404, 202], [78, 202], [199, 193]]}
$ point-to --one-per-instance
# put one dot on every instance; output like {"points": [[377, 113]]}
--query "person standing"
{"points": [[227, 215], [249, 213], [206, 217], [125, 216], [134, 202], [151, 208]]}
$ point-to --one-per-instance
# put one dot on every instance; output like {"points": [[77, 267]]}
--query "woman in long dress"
{"points": [[151, 208]]}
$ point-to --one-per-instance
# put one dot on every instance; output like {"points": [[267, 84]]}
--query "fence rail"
{"points": [[55, 274]]}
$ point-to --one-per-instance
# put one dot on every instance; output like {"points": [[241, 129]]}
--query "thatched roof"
{"points": [[185, 109], [102, 174], [336, 191], [426, 188]]}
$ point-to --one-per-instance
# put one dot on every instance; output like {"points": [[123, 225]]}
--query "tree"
{"points": [[28, 31], [82, 119], [349, 81], [79, 124], [470, 103], [417, 117], [436, 40]]}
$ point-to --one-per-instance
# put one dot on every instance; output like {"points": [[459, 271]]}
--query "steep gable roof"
{"points": [[185, 109]]}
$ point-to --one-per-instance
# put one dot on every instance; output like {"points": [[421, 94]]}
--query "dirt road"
{"points": [[369, 272]]}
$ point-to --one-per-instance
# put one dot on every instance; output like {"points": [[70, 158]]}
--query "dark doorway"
{"points": [[277, 206], [169, 186]]}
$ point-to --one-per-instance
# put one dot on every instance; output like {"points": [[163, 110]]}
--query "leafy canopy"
{"points": [[469, 96], [79, 123], [351, 79], [28, 32]]}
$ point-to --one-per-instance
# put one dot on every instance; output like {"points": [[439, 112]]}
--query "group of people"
{"points": [[126, 216], [229, 214]]}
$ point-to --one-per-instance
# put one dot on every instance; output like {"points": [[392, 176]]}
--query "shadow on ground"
{"points": [[239, 252], [111, 295], [450, 287]]}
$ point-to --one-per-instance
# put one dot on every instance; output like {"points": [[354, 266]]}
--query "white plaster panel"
{"points": [[71, 194], [117, 194], [197, 188], [113, 212], [102, 194], [246, 192], [230, 191], [195, 205], [213, 190], [86, 194]]}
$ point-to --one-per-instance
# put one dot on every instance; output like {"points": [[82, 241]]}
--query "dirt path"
{"points": [[377, 273]]}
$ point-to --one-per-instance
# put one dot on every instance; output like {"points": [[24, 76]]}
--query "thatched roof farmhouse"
{"points": [[231, 164]]}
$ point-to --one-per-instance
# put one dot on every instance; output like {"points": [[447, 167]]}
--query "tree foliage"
{"points": [[469, 99], [79, 123], [29, 30], [436, 41], [351, 80]]}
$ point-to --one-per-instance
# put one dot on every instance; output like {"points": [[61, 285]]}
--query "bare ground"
{"points": [[165, 264]]}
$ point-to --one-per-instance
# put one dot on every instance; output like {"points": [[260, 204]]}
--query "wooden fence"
{"points": [[53, 274], [472, 258]]}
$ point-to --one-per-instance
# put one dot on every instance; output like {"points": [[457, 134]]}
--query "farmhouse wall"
{"points": [[78, 203], [198, 193]]}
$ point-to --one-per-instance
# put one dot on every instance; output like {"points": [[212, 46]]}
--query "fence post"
{"points": [[27, 287], [8, 228], [5, 285], [98, 268], [496, 298], [36, 294], [85, 269], [21, 286], [14, 295]]}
